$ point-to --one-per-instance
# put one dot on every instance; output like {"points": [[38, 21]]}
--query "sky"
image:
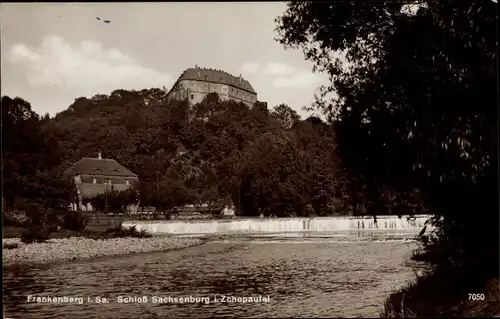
{"points": [[52, 54]]}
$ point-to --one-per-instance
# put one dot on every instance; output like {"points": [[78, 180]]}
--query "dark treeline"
{"points": [[32, 178], [419, 93], [215, 152]]}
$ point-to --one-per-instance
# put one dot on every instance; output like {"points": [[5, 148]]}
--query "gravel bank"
{"points": [[77, 248]]}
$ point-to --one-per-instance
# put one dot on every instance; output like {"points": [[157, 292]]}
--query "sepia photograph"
{"points": [[301, 159]]}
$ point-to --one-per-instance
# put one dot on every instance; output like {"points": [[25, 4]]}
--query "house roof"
{"points": [[97, 166], [217, 76]]}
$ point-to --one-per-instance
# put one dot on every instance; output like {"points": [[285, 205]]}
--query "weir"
{"points": [[279, 225]]}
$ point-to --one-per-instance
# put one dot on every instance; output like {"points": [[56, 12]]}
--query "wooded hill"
{"points": [[213, 152]]}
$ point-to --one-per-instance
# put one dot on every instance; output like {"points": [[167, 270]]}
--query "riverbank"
{"points": [[79, 248], [467, 291]]}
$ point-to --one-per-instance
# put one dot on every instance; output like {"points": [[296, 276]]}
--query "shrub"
{"points": [[52, 228], [120, 232], [437, 293], [144, 234], [14, 218], [35, 234], [75, 221], [309, 210], [56, 218], [10, 245]]}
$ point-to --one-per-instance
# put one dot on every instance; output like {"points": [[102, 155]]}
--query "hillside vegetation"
{"points": [[215, 152]]}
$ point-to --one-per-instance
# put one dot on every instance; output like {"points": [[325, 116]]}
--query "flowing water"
{"points": [[280, 225], [299, 275]]}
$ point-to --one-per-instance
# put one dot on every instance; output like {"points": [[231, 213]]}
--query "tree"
{"points": [[31, 159], [419, 114], [286, 115], [261, 107]]}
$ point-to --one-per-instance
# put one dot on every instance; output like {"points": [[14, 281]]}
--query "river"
{"points": [[329, 275]]}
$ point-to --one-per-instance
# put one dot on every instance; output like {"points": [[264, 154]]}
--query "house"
{"points": [[96, 176], [196, 83]]}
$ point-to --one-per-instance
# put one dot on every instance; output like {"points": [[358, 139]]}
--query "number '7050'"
{"points": [[476, 296]]}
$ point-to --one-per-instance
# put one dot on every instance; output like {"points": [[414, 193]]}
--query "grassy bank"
{"points": [[445, 291]]}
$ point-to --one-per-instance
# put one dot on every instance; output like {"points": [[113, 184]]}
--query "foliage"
{"points": [[424, 110], [10, 245], [283, 176], [286, 115], [30, 160], [14, 218], [35, 234], [413, 100], [121, 232], [440, 294], [74, 221], [205, 153]]}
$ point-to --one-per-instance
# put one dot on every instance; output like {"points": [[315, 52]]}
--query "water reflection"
{"points": [[304, 277]]}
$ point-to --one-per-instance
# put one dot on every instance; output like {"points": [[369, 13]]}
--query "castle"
{"points": [[195, 83]]}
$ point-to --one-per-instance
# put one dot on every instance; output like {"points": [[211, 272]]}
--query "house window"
{"points": [[206, 77], [192, 96], [127, 182], [94, 181]]}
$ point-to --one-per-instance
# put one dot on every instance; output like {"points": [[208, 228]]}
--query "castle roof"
{"points": [[216, 76]]}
